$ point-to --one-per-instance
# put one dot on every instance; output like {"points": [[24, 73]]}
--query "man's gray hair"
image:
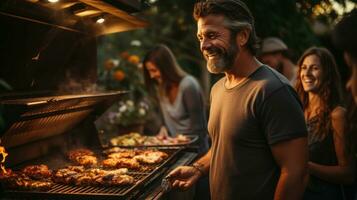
{"points": [[237, 15]]}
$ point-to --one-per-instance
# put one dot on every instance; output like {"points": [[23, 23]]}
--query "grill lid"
{"points": [[31, 119]]}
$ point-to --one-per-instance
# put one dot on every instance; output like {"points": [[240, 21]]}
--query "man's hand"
{"points": [[184, 177]]}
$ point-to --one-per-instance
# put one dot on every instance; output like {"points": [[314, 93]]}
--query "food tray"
{"points": [[193, 140]]}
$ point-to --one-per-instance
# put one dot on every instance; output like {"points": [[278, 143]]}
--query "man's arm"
{"points": [[184, 177], [292, 157]]}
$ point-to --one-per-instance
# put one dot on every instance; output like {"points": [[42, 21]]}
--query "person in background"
{"points": [[319, 88], [274, 53], [344, 37], [181, 101], [256, 123], [180, 95]]}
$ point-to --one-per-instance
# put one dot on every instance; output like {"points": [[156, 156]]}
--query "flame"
{"points": [[3, 153], [3, 169], [2, 163]]}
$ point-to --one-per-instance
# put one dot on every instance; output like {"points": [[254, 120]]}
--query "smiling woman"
{"points": [[319, 87], [310, 73]]}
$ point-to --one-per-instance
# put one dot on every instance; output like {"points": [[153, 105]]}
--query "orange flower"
{"points": [[124, 55], [109, 64], [134, 59], [119, 75]]}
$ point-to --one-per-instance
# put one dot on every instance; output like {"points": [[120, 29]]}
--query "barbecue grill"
{"points": [[48, 56], [35, 129]]}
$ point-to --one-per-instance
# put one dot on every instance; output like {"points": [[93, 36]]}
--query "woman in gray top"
{"points": [[179, 94]]}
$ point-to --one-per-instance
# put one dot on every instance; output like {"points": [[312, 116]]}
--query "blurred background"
{"points": [[300, 24]]}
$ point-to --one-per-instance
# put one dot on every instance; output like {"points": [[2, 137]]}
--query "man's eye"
{"points": [[211, 35]]}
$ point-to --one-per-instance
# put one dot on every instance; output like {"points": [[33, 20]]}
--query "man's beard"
{"points": [[223, 61]]}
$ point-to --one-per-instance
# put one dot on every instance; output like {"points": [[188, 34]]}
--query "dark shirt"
{"points": [[321, 151], [244, 122]]}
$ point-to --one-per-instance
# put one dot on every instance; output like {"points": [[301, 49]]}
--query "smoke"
{"points": [[72, 84]]}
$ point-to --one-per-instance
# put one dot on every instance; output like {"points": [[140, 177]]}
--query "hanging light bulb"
{"points": [[52, 1], [100, 20]]}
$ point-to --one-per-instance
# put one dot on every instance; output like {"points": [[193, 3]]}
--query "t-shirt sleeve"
{"points": [[282, 116]]}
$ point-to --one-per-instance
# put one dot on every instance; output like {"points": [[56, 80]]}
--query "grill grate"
{"points": [[60, 191], [96, 190]]}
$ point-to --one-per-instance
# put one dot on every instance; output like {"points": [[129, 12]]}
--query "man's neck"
{"points": [[245, 64]]}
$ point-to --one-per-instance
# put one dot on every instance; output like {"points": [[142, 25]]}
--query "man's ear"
{"points": [[242, 37]]}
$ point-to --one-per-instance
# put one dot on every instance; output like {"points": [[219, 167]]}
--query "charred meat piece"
{"points": [[92, 177], [124, 154], [151, 157], [83, 157], [65, 176], [109, 163], [20, 181], [118, 179], [128, 163], [83, 179], [37, 172], [76, 168], [121, 163], [79, 152], [86, 160]]}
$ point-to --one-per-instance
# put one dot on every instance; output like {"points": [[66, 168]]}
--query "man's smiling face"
{"points": [[216, 43]]}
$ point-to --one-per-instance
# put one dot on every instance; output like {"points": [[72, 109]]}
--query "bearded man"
{"points": [[256, 123]]}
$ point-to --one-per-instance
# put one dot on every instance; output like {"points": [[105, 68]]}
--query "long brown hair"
{"points": [[330, 91], [165, 61]]}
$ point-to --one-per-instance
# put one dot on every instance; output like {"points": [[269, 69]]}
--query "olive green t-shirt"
{"points": [[244, 122]]}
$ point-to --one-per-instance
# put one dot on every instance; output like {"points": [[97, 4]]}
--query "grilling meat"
{"points": [[76, 168], [93, 177], [34, 177], [26, 183], [109, 163], [151, 157], [20, 181], [136, 139], [86, 160], [132, 158], [79, 152], [121, 163], [65, 176], [124, 154], [118, 179], [83, 157], [37, 172]]}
